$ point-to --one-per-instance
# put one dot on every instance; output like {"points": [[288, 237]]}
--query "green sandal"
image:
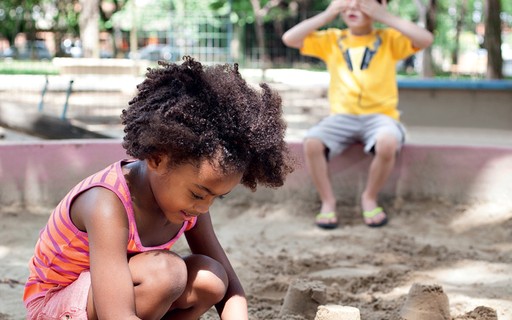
{"points": [[326, 220], [372, 214]]}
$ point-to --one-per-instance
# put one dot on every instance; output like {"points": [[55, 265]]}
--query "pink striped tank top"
{"points": [[62, 251]]}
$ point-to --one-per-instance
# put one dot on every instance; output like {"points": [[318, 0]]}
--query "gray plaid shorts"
{"points": [[339, 131]]}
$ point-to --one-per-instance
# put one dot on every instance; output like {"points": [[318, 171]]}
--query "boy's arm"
{"points": [[294, 37], [202, 240], [420, 37]]}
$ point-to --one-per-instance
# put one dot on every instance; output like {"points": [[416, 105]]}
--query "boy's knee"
{"points": [[386, 146], [209, 277], [313, 146]]}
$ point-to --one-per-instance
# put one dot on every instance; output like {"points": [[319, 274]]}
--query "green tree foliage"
{"points": [[457, 21], [147, 15], [19, 16], [243, 10]]}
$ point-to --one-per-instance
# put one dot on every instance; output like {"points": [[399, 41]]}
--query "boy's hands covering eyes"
{"points": [[372, 8], [337, 6]]}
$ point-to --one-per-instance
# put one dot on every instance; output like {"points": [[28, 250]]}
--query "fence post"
{"points": [[68, 93], [41, 103]]}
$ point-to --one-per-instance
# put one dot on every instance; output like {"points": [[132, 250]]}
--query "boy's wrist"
{"points": [[386, 18], [328, 16]]}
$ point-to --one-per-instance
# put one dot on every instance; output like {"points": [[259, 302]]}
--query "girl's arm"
{"points": [[420, 37], [202, 240], [294, 37], [104, 219]]}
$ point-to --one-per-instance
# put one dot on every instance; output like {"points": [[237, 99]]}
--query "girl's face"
{"points": [[187, 191]]}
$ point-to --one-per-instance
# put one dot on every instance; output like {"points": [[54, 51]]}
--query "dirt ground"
{"points": [[274, 245]]}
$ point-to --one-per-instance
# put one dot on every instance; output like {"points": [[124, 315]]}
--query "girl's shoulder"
{"points": [[98, 203], [105, 192]]}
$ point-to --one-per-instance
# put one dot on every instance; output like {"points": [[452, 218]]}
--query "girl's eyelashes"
{"points": [[196, 196]]}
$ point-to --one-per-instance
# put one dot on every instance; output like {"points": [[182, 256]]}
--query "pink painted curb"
{"points": [[38, 174]]}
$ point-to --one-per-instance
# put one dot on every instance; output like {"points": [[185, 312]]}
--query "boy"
{"points": [[363, 94]]}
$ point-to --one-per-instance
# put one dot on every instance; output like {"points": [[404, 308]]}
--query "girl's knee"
{"points": [[209, 278], [164, 272]]}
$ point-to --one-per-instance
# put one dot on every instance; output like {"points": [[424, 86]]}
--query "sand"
{"points": [[425, 258]]}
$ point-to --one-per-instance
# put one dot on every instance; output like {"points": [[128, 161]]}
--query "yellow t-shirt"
{"points": [[361, 68]]}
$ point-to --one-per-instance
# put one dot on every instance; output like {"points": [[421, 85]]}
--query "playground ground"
{"points": [[465, 248]]}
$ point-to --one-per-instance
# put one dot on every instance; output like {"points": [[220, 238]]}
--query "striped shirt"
{"points": [[62, 251]]}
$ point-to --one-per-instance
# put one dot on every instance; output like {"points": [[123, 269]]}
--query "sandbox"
{"points": [[450, 221]]}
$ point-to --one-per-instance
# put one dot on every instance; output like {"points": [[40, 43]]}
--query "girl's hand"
{"points": [[373, 9]]}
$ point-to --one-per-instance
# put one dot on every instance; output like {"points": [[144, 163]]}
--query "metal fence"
{"points": [[208, 38], [215, 39]]}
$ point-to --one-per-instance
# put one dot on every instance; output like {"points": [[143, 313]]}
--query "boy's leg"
{"points": [[379, 171], [317, 166], [326, 140], [387, 141]]}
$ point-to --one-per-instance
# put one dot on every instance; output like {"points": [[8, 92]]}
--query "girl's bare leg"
{"points": [[206, 286], [159, 277]]}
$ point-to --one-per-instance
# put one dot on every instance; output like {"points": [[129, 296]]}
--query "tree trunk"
{"points": [[259, 15], [492, 40], [427, 19], [89, 28], [458, 28], [430, 25]]}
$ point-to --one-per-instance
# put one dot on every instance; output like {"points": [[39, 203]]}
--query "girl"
{"points": [[194, 133]]}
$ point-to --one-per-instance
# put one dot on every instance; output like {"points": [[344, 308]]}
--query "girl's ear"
{"points": [[154, 162]]}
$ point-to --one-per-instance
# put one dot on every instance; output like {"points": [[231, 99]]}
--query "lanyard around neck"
{"points": [[368, 52]]}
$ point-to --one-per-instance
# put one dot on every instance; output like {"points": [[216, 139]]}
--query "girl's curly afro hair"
{"points": [[192, 113]]}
